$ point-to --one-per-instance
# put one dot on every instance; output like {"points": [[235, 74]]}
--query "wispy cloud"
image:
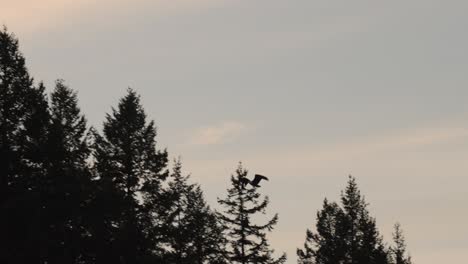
{"points": [[218, 133], [306, 157], [401, 141]]}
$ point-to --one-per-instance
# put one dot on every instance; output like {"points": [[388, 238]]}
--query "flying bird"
{"points": [[255, 181]]}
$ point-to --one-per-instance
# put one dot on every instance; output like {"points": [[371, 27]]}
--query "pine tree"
{"points": [[129, 173], [346, 234], [326, 246], [209, 244], [68, 177], [398, 251], [364, 241], [194, 232], [247, 241], [23, 133]]}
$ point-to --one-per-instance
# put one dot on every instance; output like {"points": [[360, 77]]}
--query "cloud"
{"points": [[350, 153], [401, 141], [218, 134]]}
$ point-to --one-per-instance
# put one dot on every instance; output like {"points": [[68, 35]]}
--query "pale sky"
{"points": [[305, 92]]}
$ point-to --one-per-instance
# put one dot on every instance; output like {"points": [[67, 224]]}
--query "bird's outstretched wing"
{"points": [[258, 178], [244, 181]]}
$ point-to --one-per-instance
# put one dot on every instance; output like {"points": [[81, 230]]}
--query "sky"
{"points": [[305, 92]]}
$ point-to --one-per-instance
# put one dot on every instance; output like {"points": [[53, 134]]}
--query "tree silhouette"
{"points": [[398, 251], [247, 241], [194, 232], [327, 245], [23, 133], [129, 171], [346, 234], [364, 242], [68, 178]]}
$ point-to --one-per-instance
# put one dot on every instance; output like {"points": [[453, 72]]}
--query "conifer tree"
{"points": [[194, 232], [398, 250], [23, 133], [247, 241], [365, 244], [68, 177], [129, 171], [209, 244], [346, 234], [327, 245]]}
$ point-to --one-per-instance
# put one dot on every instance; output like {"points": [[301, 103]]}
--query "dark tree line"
{"points": [[72, 194]]}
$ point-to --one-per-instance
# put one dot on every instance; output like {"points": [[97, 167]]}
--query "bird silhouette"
{"points": [[255, 182]]}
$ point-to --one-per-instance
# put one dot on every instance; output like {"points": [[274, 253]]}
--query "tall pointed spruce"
{"points": [[194, 232], [364, 241], [327, 245], [68, 177], [398, 250], [345, 235], [247, 241], [23, 133], [129, 171]]}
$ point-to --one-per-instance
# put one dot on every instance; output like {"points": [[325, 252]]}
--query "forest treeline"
{"points": [[72, 194]]}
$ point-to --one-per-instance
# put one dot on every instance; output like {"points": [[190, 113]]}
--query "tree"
{"points": [[194, 232], [209, 244], [398, 251], [68, 177], [346, 234], [23, 134], [247, 241], [327, 245], [364, 241], [129, 172]]}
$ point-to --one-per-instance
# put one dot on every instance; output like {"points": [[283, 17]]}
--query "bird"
{"points": [[255, 182]]}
